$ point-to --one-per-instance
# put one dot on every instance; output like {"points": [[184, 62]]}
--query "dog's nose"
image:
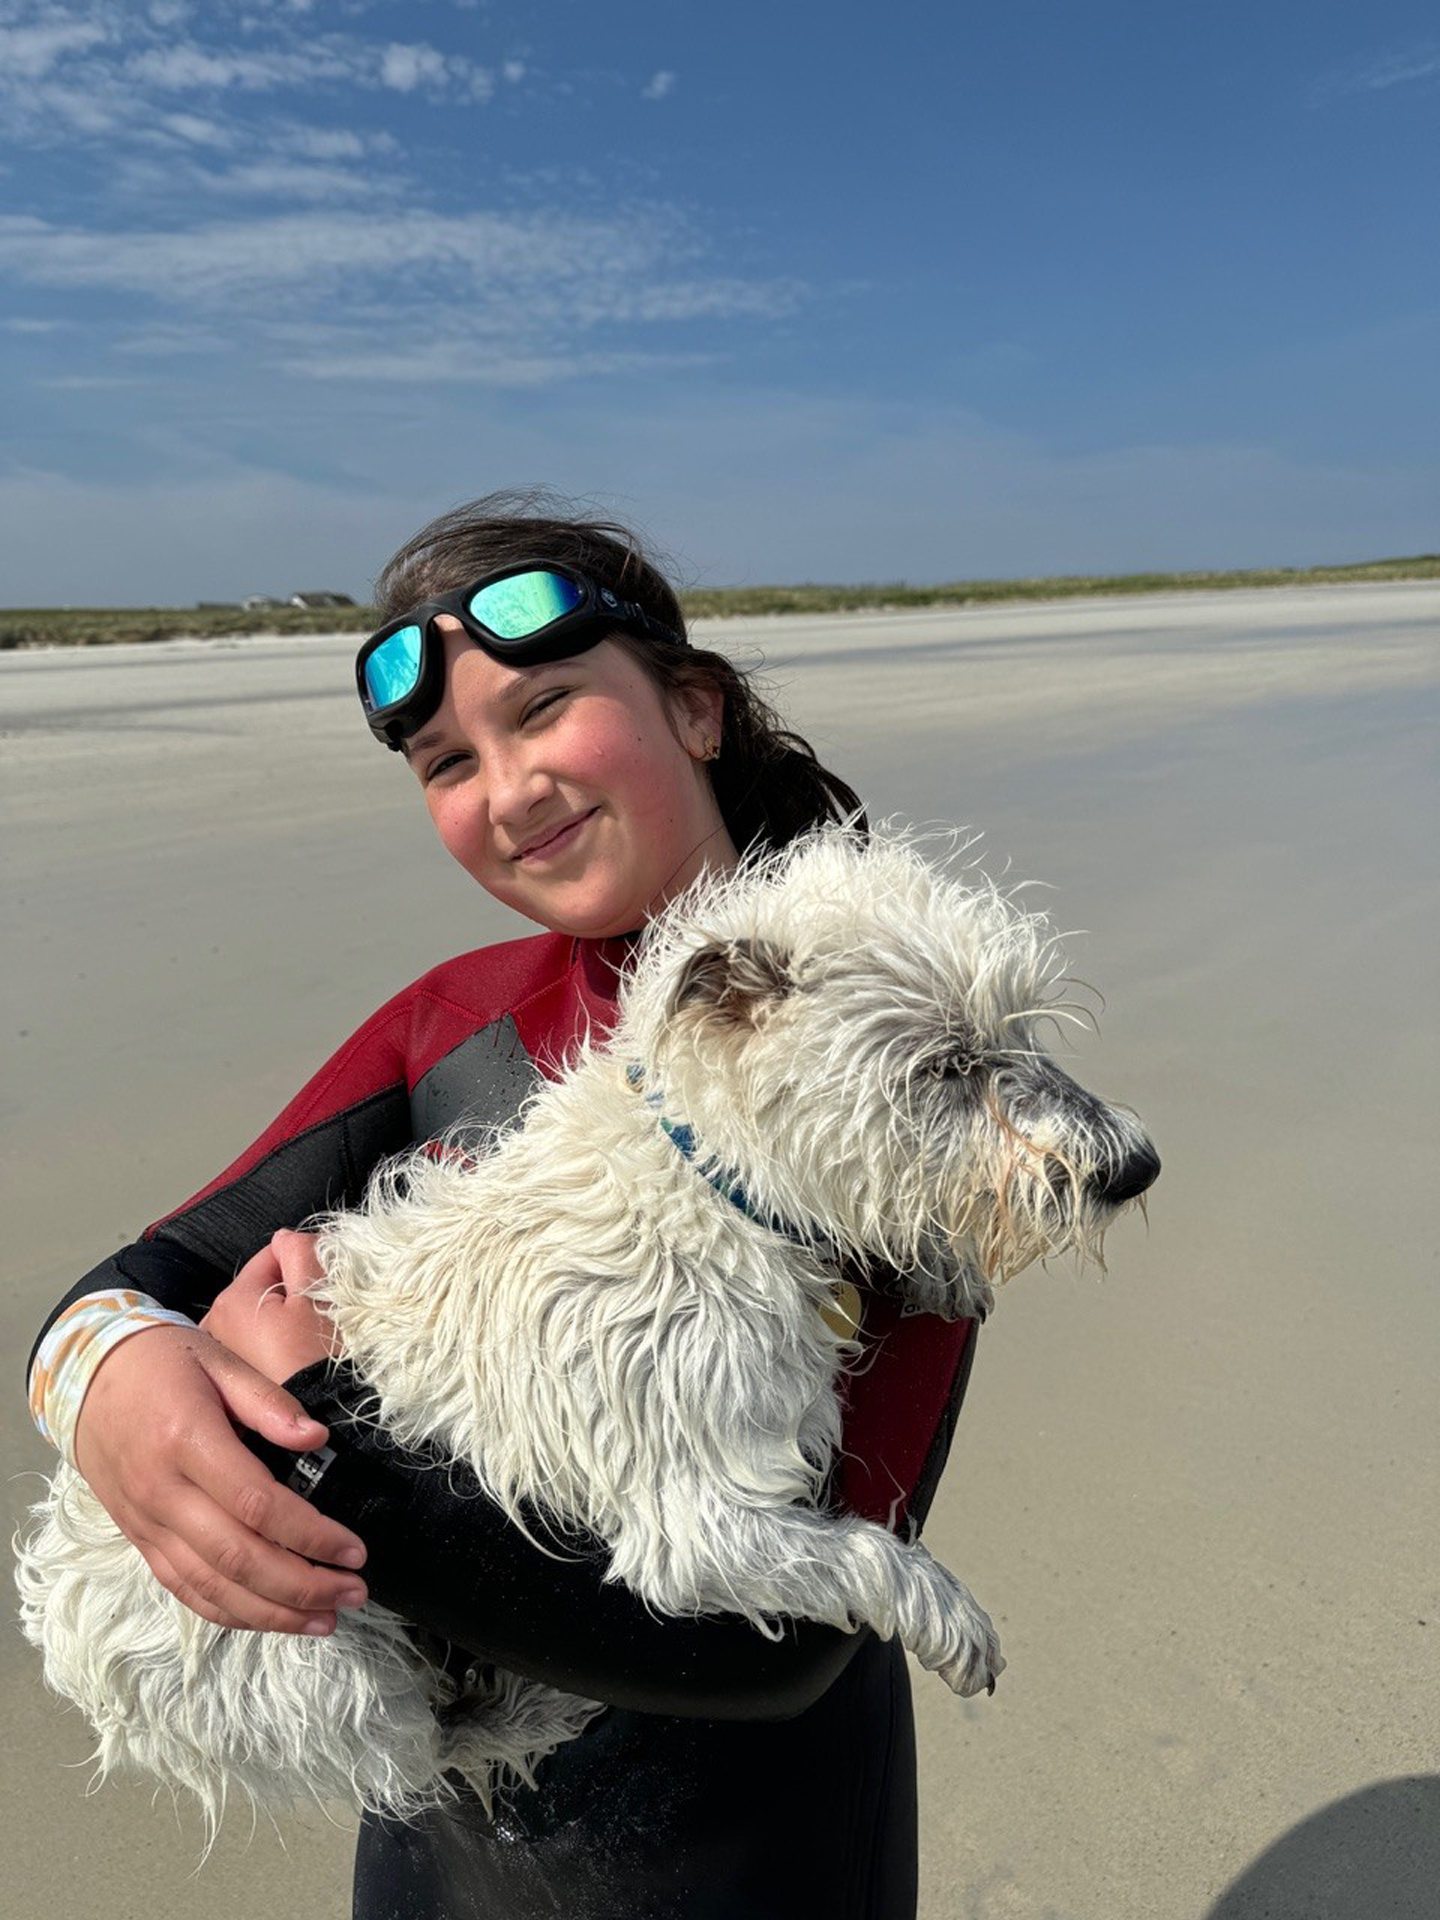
{"points": [[1129, 1178]]}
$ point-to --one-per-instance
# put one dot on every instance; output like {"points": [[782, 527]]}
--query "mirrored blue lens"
{"points": [[524, 603], [393, 668]]}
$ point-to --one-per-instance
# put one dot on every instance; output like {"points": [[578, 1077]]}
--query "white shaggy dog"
{"points": [[581, 1314]]}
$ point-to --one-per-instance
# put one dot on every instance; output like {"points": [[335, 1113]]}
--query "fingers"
{"points": [[261, 1404], [256, 1504], [211, 1541], [239, 1565], [209, 1594]]}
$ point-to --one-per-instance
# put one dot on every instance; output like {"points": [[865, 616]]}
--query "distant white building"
{"points": [[320, 600]]}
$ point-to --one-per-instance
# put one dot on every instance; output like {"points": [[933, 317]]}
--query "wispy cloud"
{"points": [[188, 68], [507, 298], [112, 66], [480, 363], [1400, 67], [187, 110], [196, 131], [31, 52], [88, 382], [592, 268], [292, 180]]}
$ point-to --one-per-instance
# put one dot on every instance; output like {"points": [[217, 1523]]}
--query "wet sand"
{"points": [[1199, 1495]]}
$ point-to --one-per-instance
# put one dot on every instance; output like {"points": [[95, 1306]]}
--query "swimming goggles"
{"points": [[532, 611]]}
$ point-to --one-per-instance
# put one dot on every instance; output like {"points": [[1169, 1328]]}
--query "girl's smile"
{"points": [[544, 849]]}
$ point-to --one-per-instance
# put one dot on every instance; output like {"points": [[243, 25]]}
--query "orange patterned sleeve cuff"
{"points": [[73, 1348]]}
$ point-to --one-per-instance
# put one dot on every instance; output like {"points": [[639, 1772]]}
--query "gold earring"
{"points": [[712, 748]]}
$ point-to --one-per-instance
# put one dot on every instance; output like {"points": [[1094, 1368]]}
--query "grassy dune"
{"points": [[101, 626]]}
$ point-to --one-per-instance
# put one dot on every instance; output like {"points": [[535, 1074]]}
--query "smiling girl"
{"points": [[583, 763]]}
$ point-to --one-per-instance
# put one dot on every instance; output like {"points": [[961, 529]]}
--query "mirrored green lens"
{"points": [[523, 604], [393, 669]]}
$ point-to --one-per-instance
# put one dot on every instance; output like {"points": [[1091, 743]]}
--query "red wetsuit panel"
{"points": [[405, 1037]]}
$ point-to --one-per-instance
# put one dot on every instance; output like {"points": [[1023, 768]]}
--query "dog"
{"points": [[842, 1035]]}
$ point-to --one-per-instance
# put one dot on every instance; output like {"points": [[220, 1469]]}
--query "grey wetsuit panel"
{"points": [[481, 1082]]}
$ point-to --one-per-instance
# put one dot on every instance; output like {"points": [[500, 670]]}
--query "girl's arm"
{"points": [[449, 1560], [444, 1556]]}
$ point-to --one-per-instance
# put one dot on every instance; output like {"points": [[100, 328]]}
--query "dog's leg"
{"points": [[281, 1718], [845, 1571]]}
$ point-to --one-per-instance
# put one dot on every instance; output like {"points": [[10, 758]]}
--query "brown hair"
{"points": [[768, 784]]}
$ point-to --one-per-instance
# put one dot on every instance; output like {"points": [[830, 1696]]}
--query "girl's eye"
{"points": [[445, 760], [548, 701]]}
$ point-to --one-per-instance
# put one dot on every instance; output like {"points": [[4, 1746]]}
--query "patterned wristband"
{"points": [[73, 1348]]}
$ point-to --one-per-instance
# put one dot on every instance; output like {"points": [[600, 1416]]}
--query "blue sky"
{"points": [[805, 292]]}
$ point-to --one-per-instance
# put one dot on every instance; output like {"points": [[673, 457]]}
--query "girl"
{"points": [[583, 763]]}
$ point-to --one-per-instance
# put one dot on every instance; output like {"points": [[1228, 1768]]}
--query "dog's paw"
{"points": [[977, 1666]]}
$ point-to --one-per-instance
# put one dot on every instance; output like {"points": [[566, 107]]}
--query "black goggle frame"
{"points": [[600, 611]]}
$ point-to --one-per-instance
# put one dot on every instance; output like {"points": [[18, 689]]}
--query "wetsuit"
{"points": [[731, 1776]]}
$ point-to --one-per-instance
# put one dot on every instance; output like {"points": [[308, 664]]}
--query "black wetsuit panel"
{"points": [[647, 1818]]}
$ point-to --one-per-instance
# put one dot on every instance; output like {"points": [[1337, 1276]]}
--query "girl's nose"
{"points": [[517, 783]]}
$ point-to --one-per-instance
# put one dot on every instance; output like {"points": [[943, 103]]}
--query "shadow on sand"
{"points": [[1374, 1855]]}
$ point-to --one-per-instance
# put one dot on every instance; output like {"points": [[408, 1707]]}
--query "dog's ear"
{"points": [[733, 981]]}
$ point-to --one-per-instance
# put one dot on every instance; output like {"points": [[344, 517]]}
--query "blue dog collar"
{"points": [[684, 1137]]}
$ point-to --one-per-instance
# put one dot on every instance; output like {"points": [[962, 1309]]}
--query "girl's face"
{"points": [[515, 753]]}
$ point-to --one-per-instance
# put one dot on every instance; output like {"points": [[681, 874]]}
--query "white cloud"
{"points": [[138, 76], [328, 143], [406, 67], [514, 71], [479, 363], [33, 326], [197, 132], [291, 180], [29, 53], [659, 85], [187, 67], [541, 270], [698, 299], [164, 342], [89, 382]]}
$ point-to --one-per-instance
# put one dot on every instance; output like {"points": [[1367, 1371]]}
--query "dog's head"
{"points": [[852, 1032]]}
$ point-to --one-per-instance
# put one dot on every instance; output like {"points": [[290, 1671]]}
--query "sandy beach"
{"points": [[1199, 1494]]}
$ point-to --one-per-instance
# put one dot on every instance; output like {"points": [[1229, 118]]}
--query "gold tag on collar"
{"points": [[842, 1316]]}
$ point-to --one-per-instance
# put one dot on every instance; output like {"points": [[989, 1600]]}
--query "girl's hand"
{"points": [[156, 1442], [266, 1316]]}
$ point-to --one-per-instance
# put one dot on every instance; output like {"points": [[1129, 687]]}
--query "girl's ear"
{"points": [[702, 717]]}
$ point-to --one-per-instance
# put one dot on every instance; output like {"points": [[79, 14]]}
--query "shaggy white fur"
{"points": [[850, 1033]]}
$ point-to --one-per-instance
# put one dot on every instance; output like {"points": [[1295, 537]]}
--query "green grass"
{"points": [[101, 626]]}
